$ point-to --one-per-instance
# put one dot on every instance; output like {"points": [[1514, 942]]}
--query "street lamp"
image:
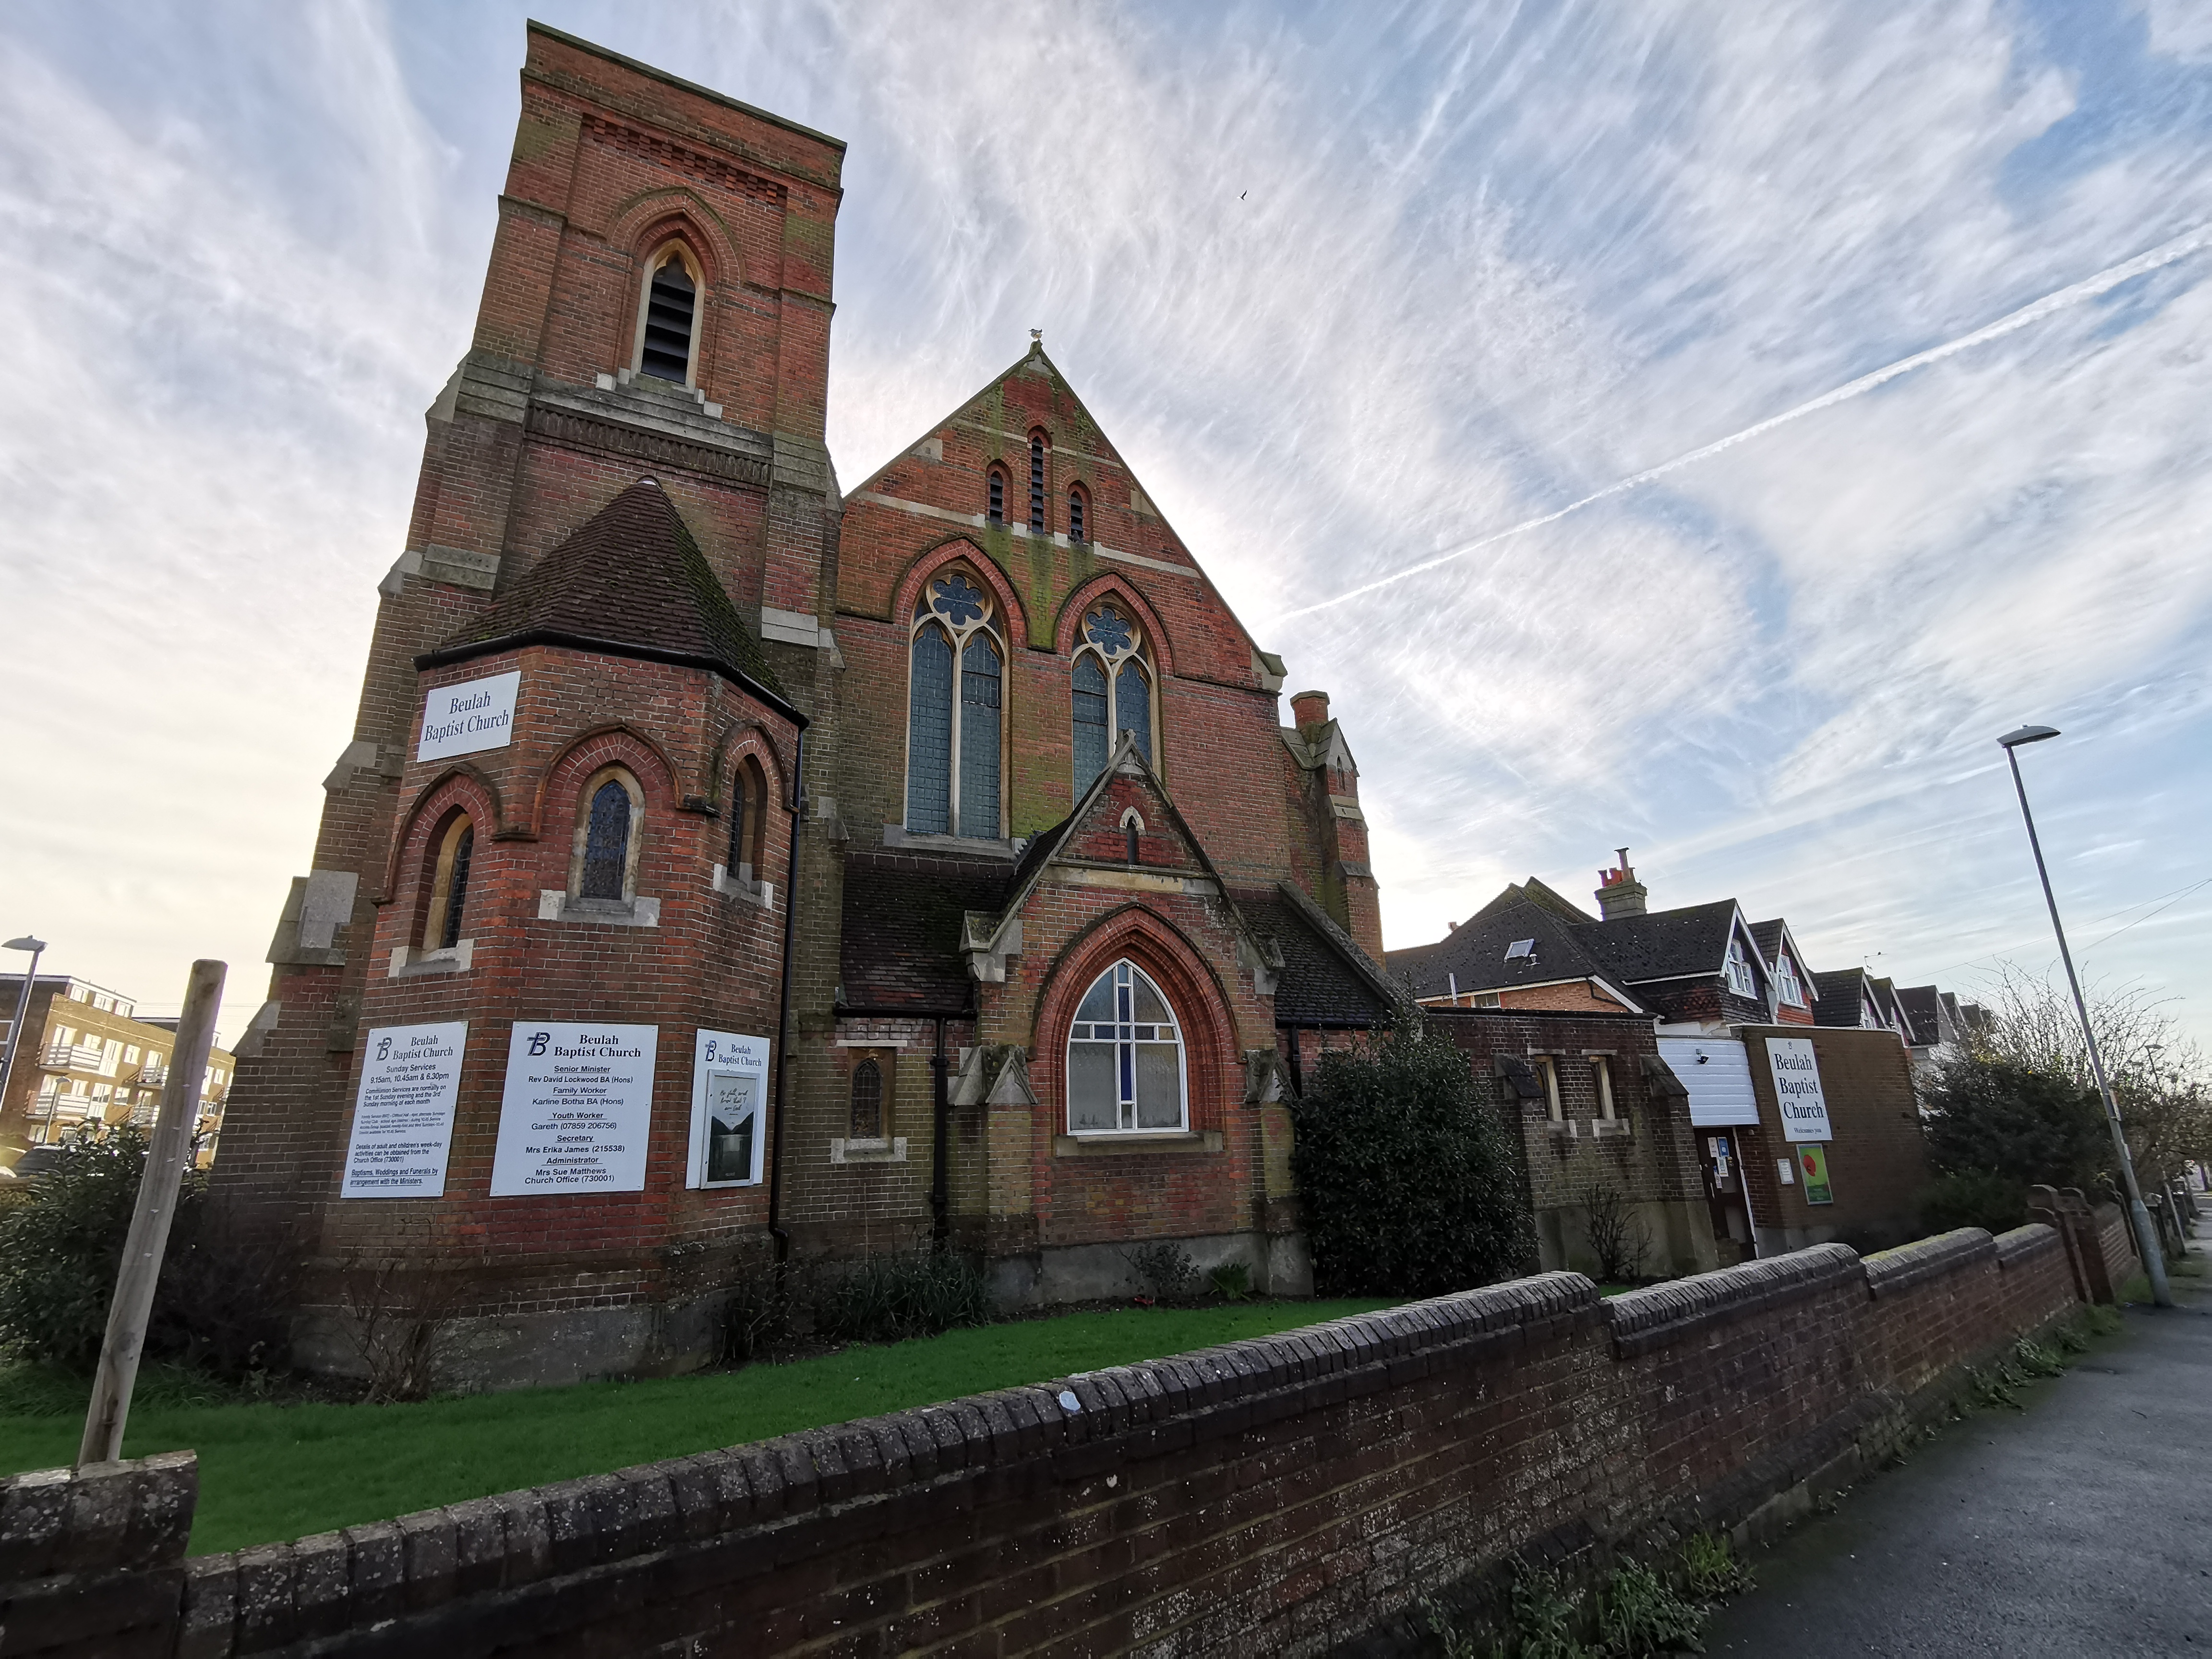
{"points": [[2145, 1238], [37, 948]]}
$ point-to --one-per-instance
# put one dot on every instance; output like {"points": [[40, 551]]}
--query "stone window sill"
{"points": [[897, 834], [1100, 1145], [555, 905], [407, 963], [739, 884], [868, 1152]]}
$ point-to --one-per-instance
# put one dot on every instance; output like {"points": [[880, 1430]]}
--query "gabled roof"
{"points": [[631, 581], [1664, 944], [1325, 976], [1839, 998], [1475, 955], [1923, 1008]]}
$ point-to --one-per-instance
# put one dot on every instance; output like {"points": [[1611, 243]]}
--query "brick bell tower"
{"points": [[520, 1038]]}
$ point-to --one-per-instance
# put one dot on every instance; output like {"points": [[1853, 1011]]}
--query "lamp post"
{"points": [[2145, 1238], [37, 948]]}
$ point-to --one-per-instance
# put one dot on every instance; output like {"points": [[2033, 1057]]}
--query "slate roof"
{"points": [[1767, 936], [900, 947], [1325, 975], [1924, 1012], [1664, 944], [1473, 953], [1838, 997], [631, 581]]}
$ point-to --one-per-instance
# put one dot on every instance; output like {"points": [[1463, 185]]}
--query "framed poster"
{"points": [[729, 1109], [1797, 1089], [403, 1116], [1813, 1161], [577, 1108], [460, 720]]}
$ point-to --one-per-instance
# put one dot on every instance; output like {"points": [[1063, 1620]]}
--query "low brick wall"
{"points": [[1288, 1494]]}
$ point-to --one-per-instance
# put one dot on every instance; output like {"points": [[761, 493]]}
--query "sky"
{"points": [[1351, 288]]}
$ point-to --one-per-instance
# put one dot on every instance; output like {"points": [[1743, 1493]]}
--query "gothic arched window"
{"points": [[953, 717], [603, 863], [1111, 654], [1037, 525], [748, 819], [1125, 1058], [867, 1122], [449, 885], [668, 317], [996, 508], [1077, 516]]}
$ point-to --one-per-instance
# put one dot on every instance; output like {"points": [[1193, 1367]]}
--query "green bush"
{"points": [[884, 1298], [1974, 1198], [1165, 1268], [1407, 1183], [1990, 1115]]}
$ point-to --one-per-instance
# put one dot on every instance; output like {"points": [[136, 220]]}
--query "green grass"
{"points": [[271, 1472]]}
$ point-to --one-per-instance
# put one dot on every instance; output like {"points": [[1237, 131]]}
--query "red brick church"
{"points": [[723, 867]]}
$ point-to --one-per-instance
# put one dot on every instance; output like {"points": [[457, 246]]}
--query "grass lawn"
{"points": [[273, 1472]]}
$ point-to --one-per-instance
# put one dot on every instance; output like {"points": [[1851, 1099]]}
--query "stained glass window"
{"points": [[929, 735], [456, 884], [957, 598], [1125, 1059], [867, 1101], [1109, 630], [1092, 741], [979, 739], [606, 843], [1133, 705]]}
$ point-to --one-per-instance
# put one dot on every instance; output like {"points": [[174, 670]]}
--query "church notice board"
{"points": [[729, 1097], [577, 1110], [403, 1117], [1797, 1089]]}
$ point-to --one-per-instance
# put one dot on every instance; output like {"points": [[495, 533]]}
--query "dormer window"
{"points": [[1737, 972], [1786, 982], [668, 318]]}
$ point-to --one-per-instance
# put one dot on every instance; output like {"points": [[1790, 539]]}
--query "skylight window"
{"points": [[1521, 949]]}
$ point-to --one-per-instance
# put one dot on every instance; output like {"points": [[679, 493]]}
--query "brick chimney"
{"points": [[1618, 892], [1308, 709]]}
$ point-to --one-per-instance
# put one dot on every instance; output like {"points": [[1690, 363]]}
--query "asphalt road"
{"points": [[2082, 1526]]}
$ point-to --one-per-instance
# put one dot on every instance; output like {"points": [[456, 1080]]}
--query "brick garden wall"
{"points": [[1283, 1495]]}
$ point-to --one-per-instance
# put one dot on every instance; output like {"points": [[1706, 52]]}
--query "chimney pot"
{"points": [[1618, 892]]}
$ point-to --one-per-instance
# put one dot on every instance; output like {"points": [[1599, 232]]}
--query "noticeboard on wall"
{"points": [[1796, 1075], [403, 1114], [1813, 1163], [729, 1109], [577, 1111]]}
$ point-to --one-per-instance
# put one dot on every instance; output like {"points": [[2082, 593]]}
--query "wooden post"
{"points": [[149, 1222]]}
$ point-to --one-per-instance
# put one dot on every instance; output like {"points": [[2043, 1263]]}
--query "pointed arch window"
{"points": [[954, 698], [748, 819], [995, 508], [668, 317], [1079, 516], [867, 1119], [1125, 1069], [1113, 690], [1037, 525], [449, 885], [603, 862]]}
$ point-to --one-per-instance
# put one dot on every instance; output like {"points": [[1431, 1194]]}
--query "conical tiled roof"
{"points": [[631, 582]]}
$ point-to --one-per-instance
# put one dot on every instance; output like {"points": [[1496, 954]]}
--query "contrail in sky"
{"points": [[2035, 311]]}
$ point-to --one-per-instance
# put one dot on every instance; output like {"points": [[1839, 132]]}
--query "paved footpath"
{"points": [[2083, 1527]]}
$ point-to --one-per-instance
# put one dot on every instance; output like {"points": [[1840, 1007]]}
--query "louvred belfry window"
{"points": [[1125, 1071], [671, 304], [953, 718], [1036, 484], [1111, 654], [1077, 529]]}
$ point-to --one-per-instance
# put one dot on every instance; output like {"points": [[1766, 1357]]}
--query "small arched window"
{"points": [[954, 696], [603, 859], [996, 512], [1125, 1058], [867, 1101], [1113, 690], [449, 885], [1078, 517], [1037, 525], [668, 318], [748, 819]]}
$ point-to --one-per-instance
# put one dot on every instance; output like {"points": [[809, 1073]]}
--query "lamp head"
{"points": [[26, 943], [2028, 734]]}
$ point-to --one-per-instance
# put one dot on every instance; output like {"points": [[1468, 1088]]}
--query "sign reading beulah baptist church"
{"points": [[459, 719], [1797, 1089], [577, 1110], [402, 1118]]}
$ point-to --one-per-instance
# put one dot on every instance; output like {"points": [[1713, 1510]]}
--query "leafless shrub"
{"points": [[399, 1314], [1617, 1237]]}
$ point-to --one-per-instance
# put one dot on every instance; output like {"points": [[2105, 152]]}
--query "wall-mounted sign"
{"points": [[1813, 1161], [403, 1117], [729, 1109], [1797, 1089], [577, 1110], [459, 719]]}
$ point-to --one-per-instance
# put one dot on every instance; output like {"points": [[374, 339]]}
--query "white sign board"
{"points": [[459, 719], [729, 1109], [1797, 1090], [578, 1106], [1717, 1074], [402, 1118]]}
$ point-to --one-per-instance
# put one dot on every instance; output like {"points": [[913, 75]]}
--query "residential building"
{"points": [[88, 1056], [740, 867]]}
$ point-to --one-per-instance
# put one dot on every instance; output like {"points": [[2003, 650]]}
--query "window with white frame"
{"points": [[1126, 1070], [1740, 979], [1786, 982], [954, 694]]}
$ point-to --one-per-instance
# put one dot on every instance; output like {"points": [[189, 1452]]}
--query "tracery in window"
{"points": [[953, 731], [668, 318], [603, 861], [1038, 524], [449, 885], [1111, 652], [1125, 1069]]}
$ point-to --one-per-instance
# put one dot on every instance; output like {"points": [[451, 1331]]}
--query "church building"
{"points": [[724, 868]]}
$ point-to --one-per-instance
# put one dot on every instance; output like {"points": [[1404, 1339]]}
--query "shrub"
{"points": [[1165, 1268], [1991, 1115], [884, 1298], [1974, 1198], [1232, 1281], [1407, 1183], [1617, 1237]]}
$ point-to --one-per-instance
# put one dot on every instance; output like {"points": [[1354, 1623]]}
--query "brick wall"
{"points": [[1878, 1159], [1281, 1495]]}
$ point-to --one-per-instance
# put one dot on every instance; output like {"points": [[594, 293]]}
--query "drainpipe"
{"points": [[940, 1189], [783, 1010]]}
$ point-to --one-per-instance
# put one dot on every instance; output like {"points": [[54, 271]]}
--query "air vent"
{"points": [[668, 306]]}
